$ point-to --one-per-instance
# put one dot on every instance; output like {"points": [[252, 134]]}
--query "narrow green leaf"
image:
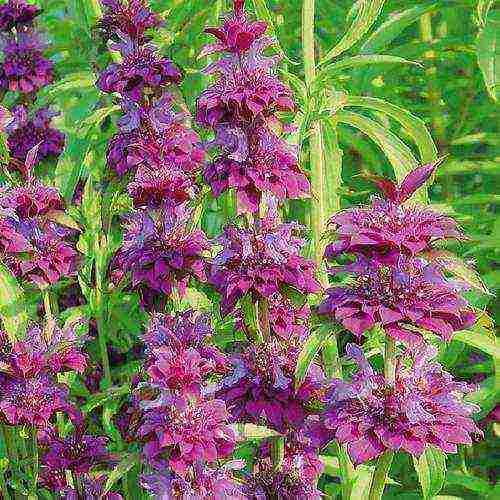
{"points": [[338, 67], [12, 305], [479, 341], [398, 153], [391, 28], [74, 81], [310, 348], [431, 471], [365, 17], [125, 464], [263, 12], [413, 125], [98, 116], [488, 53], [251, 431]]}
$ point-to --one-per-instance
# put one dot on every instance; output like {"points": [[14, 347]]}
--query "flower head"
{"points": [[17, 14], [423, 407], [260, 388], [161, 252], [140, 69], [24, 68], [25, 132], [260, 263], [127, 17], [190, 430], [397, 294]]}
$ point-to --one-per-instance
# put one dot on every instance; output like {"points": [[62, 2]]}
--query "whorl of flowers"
{"points": [[260, 262], [37, 247], [161, 252], [25, 69], [422, 407], [29, 391], [241, 109], [17, 14], [394, 283], [397, 293], [260, 388], [25, 133]]}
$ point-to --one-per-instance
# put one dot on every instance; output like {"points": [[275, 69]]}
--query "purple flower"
{"points": [[200, 482], [237, 34], [17, 14], [245, 90], [189, 430], [398, 293], [260, 263], [266, 164], [389, 225], [78, 453], [117, 156], [25, 132], [129, 17], [161, 252], [164, 186], [260, 388], [31, 401], [423, 407], [140, 69], [24, 68], [93, 488]]}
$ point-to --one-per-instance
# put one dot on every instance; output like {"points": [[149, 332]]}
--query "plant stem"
{"points": [[47, 305], [385, 460], [34, 457], [380, 475], [101, 310], [316, 154]]}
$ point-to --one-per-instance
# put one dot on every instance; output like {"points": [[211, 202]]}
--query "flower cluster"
{"points": [[394, 282], [423, 406], [35, 246], [30, 392], [161, 252], [240, 107], [261, 262], [25, 70], [181, 423]]}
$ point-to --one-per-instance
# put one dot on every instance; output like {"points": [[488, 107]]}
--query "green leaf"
{"points": [[251, 431], [263, 12], [310, 348], [125, 464], [479, 341], [98, 116], [472, 483], [488, 53], [391, 28], [365, 17], [398, 153], [12, 305], [338, 67], [413, 125], [431, 471], [74, 81]]}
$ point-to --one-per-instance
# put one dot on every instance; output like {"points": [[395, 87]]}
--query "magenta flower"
{"points": [[187, 430], [129, 17], [389, 225], [246, 90], [237, 34], [401, 292], [200, 482], [423, 407], [25, 132], [260, 389], [260, 263], [93, 487], [17, 14], [31, 200], [117, 155], [78, 453], [31, 401], [161, 252], [24, 68], [266, 164], [141, 69]]}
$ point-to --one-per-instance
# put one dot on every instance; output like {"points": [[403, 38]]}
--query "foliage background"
{"points": [[453, 89]]}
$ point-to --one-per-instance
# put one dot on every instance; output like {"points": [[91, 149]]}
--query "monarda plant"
{"points": [[181, 319]]}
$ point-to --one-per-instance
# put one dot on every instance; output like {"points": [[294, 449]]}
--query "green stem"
{"points": [[277, 451], [385, 460], [316, 153], [34, 458], [3, 488], [380, 475], [47, 305]]}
